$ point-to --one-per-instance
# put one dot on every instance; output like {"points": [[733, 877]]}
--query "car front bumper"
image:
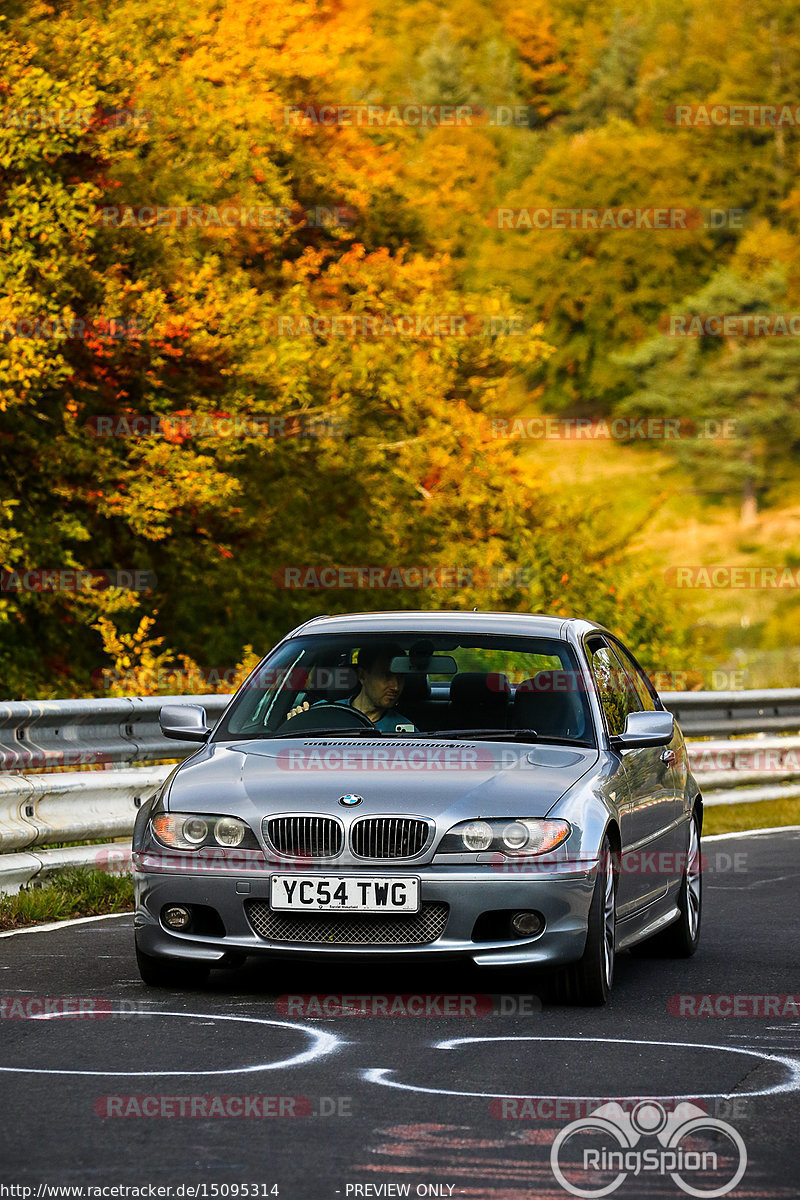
{"points": [[561, 895]]}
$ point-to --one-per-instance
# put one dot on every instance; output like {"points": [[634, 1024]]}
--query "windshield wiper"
{"points": [[514, 735]]}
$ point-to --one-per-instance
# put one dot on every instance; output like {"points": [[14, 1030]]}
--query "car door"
{"points": [[675, 758], [675, 753], [647, 815]]}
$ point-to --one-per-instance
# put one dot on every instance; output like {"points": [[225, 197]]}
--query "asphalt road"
{"points": [[457, 1103]]}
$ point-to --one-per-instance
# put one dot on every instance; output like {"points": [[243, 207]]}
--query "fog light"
{"points": [[177, 916], [527, 924]]}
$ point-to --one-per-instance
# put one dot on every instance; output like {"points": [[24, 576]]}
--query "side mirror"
{"points": [[645, 729], [184, 722]]}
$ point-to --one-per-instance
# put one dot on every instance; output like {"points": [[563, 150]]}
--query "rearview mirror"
{"points": [[646, 729], [184, 722], [433, 664]]}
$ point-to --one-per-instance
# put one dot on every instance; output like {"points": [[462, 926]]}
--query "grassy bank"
{"points": [[765, 814], [77, 892]]}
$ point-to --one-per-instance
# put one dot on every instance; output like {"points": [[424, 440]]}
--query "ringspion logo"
{"points": [[600, 1151]]}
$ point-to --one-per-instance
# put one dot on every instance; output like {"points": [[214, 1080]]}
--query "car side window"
{"points": [[617, 694], [638, 679]]}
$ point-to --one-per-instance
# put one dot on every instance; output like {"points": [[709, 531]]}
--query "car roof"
{"points": [[456, 621]]}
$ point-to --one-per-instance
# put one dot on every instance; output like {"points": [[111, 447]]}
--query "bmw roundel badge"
{"points": [[349, 800]]}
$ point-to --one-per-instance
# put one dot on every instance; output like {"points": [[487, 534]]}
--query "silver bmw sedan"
{"points": [[496, 787]]}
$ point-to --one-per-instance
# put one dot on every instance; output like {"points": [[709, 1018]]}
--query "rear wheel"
{"points": [[589, 980], [170, 972]]}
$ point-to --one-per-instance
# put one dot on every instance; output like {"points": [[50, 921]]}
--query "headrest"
{"points": [[332, 683], [416, 688], [543, 705], [559, 682], [474, 687]]}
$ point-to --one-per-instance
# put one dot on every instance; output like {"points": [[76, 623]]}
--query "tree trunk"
{"points": [[749, 510]]}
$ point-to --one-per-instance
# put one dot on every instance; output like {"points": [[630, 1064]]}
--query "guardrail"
{"points": [[704, 714], [38, 734], [37, 811]]}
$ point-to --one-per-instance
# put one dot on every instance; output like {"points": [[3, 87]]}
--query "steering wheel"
{"points": [[325, 715]]}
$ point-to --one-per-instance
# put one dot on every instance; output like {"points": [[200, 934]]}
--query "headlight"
{"points": [[195, 831], [477, 835], [519, 835], [515, 836], [188, 831], [229, 832]]}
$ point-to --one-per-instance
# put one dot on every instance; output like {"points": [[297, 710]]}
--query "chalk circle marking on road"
{"points": [[322, 1044], [792, 1065]]}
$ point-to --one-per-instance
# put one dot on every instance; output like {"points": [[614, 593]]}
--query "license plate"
{"points": [[343, 893]]}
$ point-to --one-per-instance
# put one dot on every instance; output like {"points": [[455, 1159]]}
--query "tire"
{"points": [[170, 972], [588, 981], [682, 937]]}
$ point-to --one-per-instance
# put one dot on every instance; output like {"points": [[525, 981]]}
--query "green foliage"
{"points": [[75, 892], [410, 474], [738, 393], [766, 814]]}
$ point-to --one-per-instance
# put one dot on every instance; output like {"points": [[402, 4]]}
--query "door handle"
{"points": [[669, 756]]}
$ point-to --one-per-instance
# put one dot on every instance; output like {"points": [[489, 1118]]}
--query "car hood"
{"points": [[438, 779]]}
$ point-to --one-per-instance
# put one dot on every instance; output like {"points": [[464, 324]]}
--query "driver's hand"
{"points": [[298, 708]]}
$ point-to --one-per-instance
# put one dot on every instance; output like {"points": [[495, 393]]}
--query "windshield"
{"points": [[415, 685]]}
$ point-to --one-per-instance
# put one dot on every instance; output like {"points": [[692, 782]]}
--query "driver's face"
{"points": [[381, 687]]}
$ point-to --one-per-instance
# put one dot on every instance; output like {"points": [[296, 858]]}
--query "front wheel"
{"points": [[170, 972], [588, 981]]}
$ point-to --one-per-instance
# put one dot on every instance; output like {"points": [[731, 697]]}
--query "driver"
{"points": [[380, 689]]}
